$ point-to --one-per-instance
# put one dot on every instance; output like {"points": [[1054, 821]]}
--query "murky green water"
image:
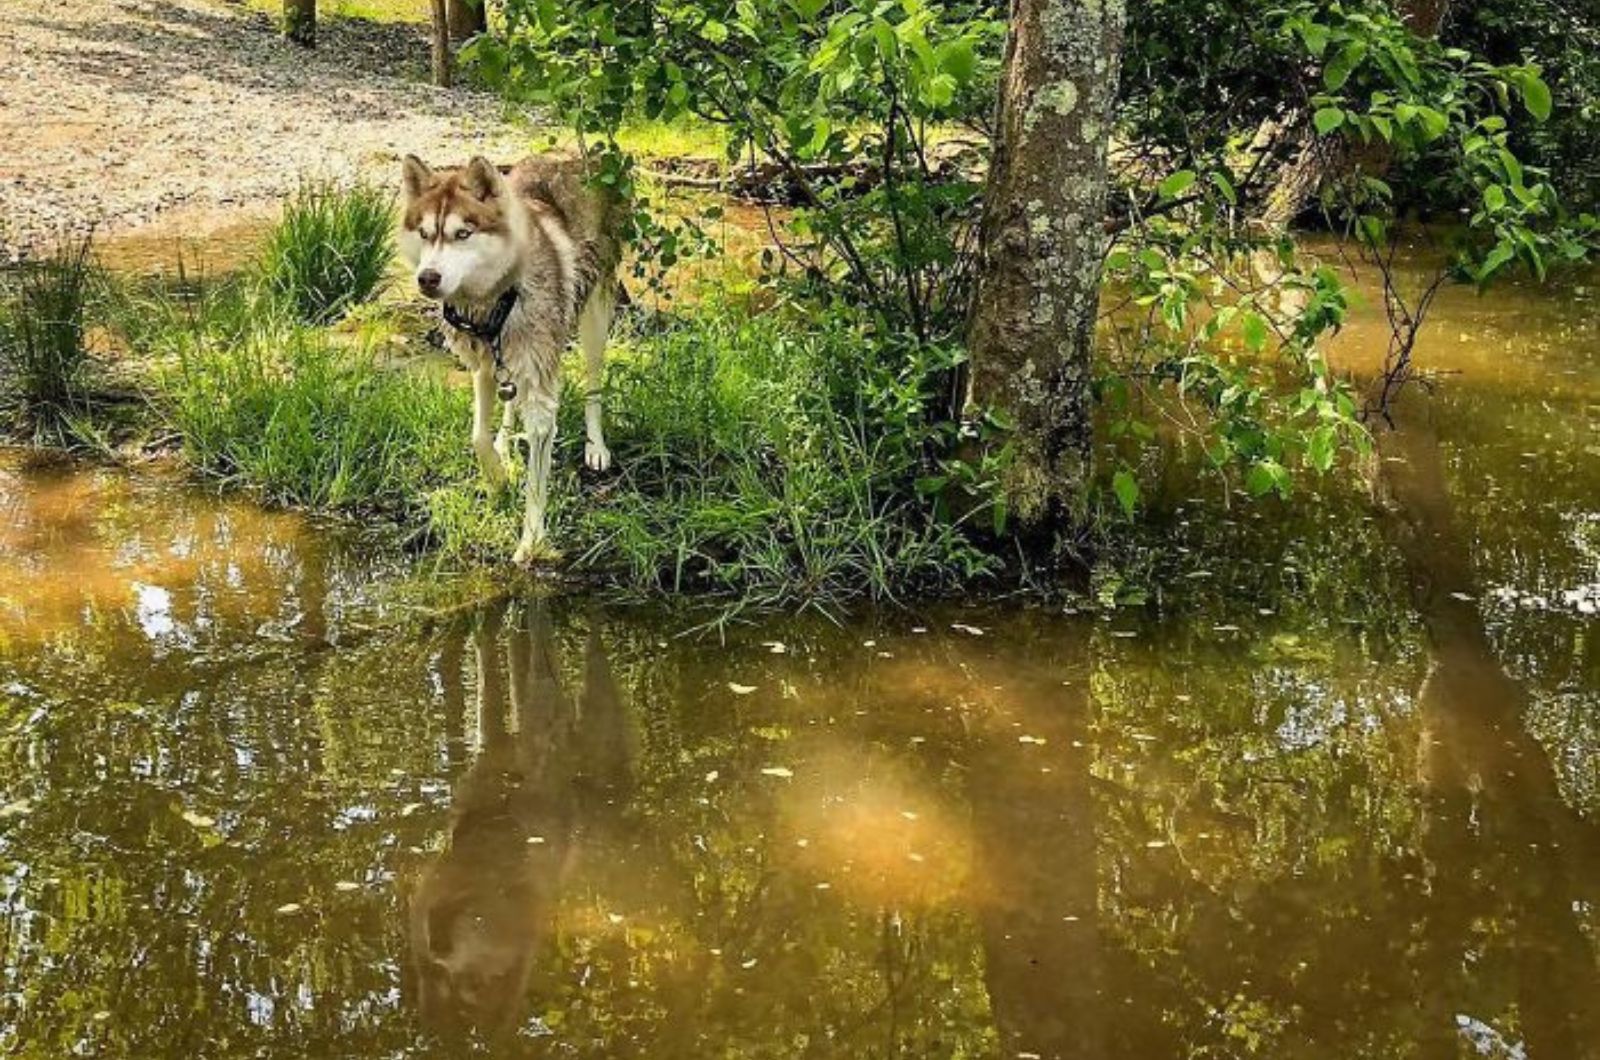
{"points": [[1334, 793]]}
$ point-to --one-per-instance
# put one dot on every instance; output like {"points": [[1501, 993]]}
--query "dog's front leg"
{"points": [[504, 440], [539, 418], [483, 398]]}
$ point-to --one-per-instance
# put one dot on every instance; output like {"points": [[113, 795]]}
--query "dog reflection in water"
{"points": [[545, 760]]}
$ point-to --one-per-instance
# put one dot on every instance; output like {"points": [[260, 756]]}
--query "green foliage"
{"points": [[780, 464], [1240, 107], [330, 251], [299, 417], [842, 96], [761, 459], [43, 354], [1564, 40]]}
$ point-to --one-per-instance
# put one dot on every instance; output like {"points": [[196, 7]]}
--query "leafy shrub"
{"points": [[330, 251], [42, 324]]}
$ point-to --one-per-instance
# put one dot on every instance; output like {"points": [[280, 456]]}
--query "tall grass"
{"points": [[773, 464], [43, 353], [770, 464], [301, 419], [331, 250]]}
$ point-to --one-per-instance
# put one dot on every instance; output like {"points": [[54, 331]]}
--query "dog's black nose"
{"points": [[428, 280]]}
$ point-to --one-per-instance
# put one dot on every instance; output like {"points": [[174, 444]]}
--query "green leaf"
{"points": [[1255, 331], [714, 31], [1265, 477], [1225, 186], [1340, 68], [958, 59], [1494, 198], [1319, 453], [1126, 488], [1176, 184], [1434, 123], [1536, 97], [1316, 37], [1327, 119]]}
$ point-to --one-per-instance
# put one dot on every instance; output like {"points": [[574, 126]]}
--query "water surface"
{"points": [[1332, 793]]}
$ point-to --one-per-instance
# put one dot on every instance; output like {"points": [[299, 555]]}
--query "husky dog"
{"points": [[521, 260]]}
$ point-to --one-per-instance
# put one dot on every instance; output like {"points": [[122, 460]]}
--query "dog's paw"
{"points": [[535, 553], [596, 457]]}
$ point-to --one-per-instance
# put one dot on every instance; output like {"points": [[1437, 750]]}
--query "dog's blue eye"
{"points": [[462, 233]]}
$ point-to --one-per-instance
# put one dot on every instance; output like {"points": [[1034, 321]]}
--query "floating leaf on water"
{"points": [[777, 771], [751, 963], [289, 909], [909, 815], [410, 808], [19, 808], [1031, 739], [740, 690], [824, 886], [918, 858], [971, 631], [1461, 596], [1125, 634], [347, 886], [1226, 627], [869, 644], [1156, 844], [776, 647], [615, 918], [199, 820], [535, 839], [101, 1016], [711, 777], [919, 629]]}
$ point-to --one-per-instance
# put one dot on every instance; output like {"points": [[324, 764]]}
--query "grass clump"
{"points": [[331, 250], [43, 351], [756, 459], [300, 418]]}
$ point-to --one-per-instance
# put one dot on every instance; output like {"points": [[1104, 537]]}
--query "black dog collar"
{"points": [[488, 331]]}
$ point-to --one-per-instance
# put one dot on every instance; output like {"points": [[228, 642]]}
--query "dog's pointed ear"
{"points": [[482, 180], [415, 176]]}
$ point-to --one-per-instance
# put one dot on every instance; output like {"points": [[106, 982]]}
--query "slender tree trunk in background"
{"points": [[441, 44], [1323, 159], [300, 21], [466, 18], [1043, 241]]}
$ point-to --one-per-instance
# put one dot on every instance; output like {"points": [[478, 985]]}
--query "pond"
{"points": [[1332, 792]]}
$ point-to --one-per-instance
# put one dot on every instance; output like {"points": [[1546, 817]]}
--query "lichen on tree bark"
{"points": [[1043, 241]]}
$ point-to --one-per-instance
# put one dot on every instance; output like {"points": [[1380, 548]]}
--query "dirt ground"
{"points": [[168, 116]]}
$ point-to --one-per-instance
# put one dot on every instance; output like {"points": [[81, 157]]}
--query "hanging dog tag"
{"points": [[506, 389]]}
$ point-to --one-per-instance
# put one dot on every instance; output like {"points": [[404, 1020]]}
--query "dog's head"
{"points": [[456, 231]]}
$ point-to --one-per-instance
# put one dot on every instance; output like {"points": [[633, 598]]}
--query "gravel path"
{"points": [[118, 113]]}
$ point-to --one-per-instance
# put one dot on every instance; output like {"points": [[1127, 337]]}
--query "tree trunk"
{"points": [[441, 44], [1043, 241], [300, 21], [467, 18]]}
